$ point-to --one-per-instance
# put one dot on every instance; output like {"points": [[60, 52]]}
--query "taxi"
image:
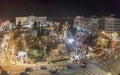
{"points": [[58, 67]]}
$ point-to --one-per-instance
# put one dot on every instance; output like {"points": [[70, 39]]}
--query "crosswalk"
{"points": [[115, 67], [95, 70], [75, 71], [111, 65], [90, 70]]}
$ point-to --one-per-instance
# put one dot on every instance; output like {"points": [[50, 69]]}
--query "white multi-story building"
{"points": [[86, 24], [30, 20], [94, 24], [101, 24], [20, 19], [79, 22], [112, 25]]}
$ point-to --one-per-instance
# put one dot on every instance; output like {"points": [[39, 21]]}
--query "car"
{"points": [[83, 65], [61, 68], [4, 72], [68, 67], [118, 73], [58, 68], [28, 69], [54, 71], [116, 57], [23, 73], [43, 67]]}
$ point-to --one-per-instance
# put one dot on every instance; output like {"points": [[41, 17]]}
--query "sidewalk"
{"points": [[42, 63], [27, 64], [98, 61]]}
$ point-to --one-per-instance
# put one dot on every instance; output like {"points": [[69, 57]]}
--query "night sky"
{"points": [[13, 8]]}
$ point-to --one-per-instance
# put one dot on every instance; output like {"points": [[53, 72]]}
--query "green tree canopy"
{"points": [[35, 25], [19, 25], [35, 52], [19, 45]]}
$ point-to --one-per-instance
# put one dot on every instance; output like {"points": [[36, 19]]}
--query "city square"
{"points": [[34, 43]]}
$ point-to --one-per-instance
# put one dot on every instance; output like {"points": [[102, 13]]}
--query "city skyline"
{"points": [[56, 37]]}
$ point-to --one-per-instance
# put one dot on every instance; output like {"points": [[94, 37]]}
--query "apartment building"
{"points": [[30, 20], [112, 25]]}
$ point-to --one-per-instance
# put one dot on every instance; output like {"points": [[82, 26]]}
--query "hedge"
{"points": [[59, 60]]}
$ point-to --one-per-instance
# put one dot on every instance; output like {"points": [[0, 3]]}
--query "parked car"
{"points": [[116, 57], [54, 71], [83, 64], [43, 67], [28, 70], [4, 72], [68, 67], [23, 73]]}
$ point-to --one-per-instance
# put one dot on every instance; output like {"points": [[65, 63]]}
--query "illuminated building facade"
{"points": [[112, 25], [30, 20]]}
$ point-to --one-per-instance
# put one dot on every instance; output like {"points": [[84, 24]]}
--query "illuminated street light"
{"points": [[70, 40], [103, 32], [114, 35], [90, 48]]}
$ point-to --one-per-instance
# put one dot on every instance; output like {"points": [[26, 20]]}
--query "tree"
{"points": [[69, 34], [88, 40], [19, 25], [30, 40], [19, 45], [17, 33], [35, 52], [101, 41], [60, 27], [35, 26], [38, 31], [41, 30], [73, 30]]}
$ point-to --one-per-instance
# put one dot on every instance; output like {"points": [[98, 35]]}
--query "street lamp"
{"points": [[114, 35], [103, 32], [71, 41]]}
